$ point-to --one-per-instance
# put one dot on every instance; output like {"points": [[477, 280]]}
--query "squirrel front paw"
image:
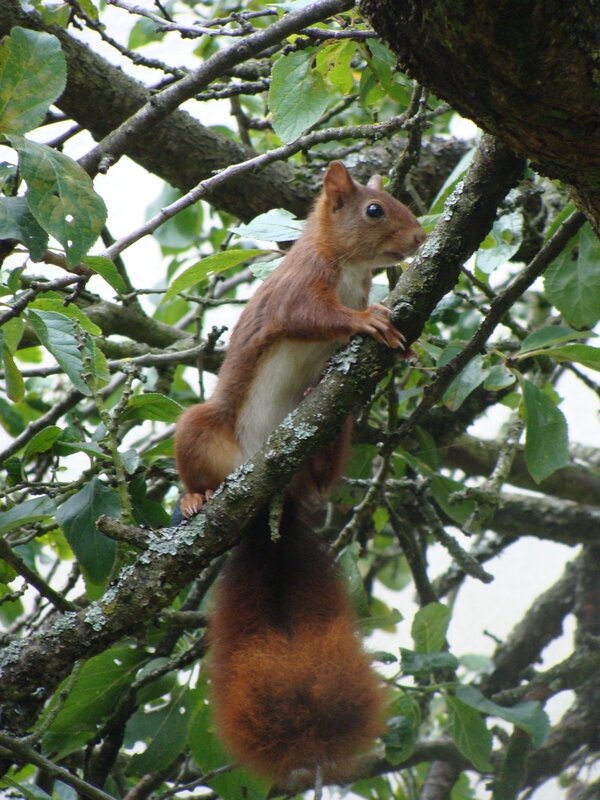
{"points": [[375, 320]]}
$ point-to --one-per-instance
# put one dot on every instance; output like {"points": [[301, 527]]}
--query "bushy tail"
{"points": [[292, 687]]}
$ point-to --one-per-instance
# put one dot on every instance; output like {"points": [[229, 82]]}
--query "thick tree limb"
{"points": [[525, 72]]}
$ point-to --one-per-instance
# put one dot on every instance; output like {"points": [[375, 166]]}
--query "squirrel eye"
{"points": [[374, 210]]}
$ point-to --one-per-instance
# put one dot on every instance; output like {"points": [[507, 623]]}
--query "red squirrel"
{"points": [[292, 688]]}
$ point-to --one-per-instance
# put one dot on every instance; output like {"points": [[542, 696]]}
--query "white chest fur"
{"points": [[353, 285], [290, 369], [279, 385]]}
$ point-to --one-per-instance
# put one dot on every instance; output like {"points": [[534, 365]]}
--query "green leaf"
{"points": [[33, 74], [347, 561], [442, 490], [57, 334], [27, 790], [276, 225], [262, 269], [437, 207], [61, 197], [211, 265], [529, 716], [499, 377], [472, 376], [165, 732], [334, 64], [572, 281], [151, 406], [37, 509], [143, 32], [78, 515], [580, 353], [383, 64], [547, 437], [423, 664], [429, 628], [552, 335], [501, 243], [470, 733], [94, 696], [42, 441], [17, 222], [403, 729], [15, 386], [297, 95], [56, 305], [106, 268]]}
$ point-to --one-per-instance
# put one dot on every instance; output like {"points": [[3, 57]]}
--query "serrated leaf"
{"points": [[78, 515], [470, 733], [276, 225], [61, 197], [429, 628], [33, 75], [35, 510], [17, 222], [57, 334], [71, 311], [100, 683], [529, 716], [152, 406], [572, 281], [107, 270], [211, 265], [552, 335], [583, 354], [547, 437], [42, 441], [297, 95]]}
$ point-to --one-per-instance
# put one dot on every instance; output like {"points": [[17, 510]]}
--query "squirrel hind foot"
{"points": [[193, 502]]}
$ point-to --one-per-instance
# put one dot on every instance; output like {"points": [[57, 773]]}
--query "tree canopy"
{"points": [[461, 449]]}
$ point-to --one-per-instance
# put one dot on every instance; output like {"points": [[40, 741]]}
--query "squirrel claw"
{"points": [[191, 504]]}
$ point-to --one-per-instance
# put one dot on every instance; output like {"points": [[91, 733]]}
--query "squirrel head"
{"points": [[363, 224]]}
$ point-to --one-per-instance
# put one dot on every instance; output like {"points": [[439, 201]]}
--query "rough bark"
{"points": [[525, 72]]}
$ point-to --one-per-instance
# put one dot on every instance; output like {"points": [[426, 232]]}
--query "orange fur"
{"points": [[293, 688]]}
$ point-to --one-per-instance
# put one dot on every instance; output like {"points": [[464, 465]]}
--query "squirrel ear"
{"points": [[338, 184], [375, 182]]}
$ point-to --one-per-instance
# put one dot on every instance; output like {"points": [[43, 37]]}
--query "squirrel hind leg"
{"points": [[206, 452]]}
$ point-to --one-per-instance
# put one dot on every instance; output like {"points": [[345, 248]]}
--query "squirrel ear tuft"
{"points": [[375, 182], [338, 184]]}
